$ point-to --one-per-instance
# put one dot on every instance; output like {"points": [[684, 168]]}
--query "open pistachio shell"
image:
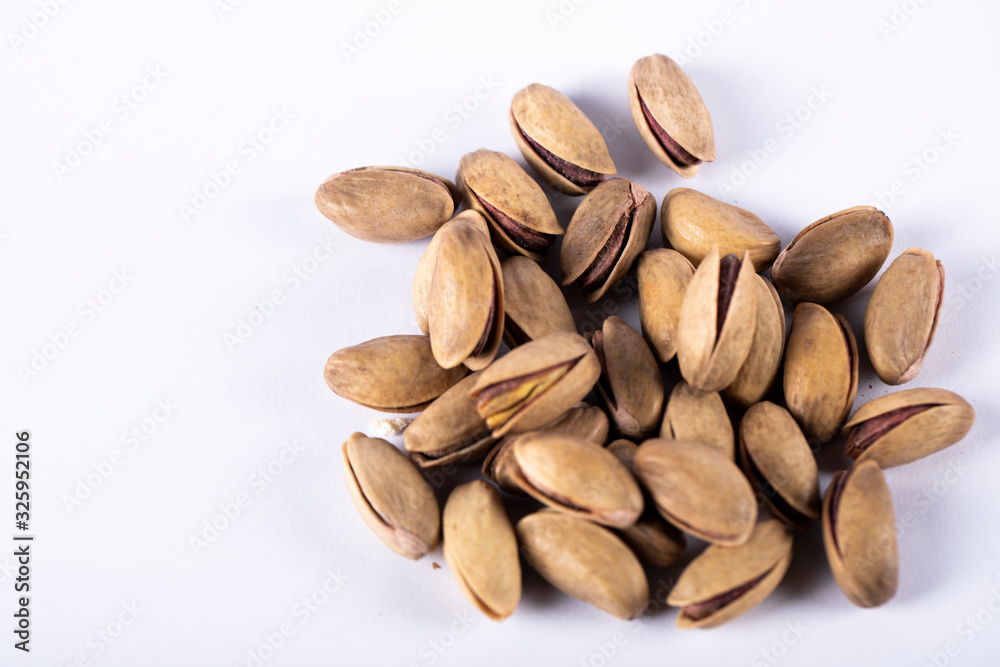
{"points": [[535, 306], [449, 430], [699, 416], [760, 370], [663, 277], [631, 385]]}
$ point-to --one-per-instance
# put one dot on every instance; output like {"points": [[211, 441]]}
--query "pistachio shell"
{"points": [[711, 349], [450, 430], [535, 306], [699, 416], [663, 277], [908, 425], [760, 370], [387, 204], [821, 370], [725, 582], [391, 374], [608, 231], [670, 115], [834, 257], [578, 159], [584, 421], [625, 450], [859, 533], [902, 315], [631, 385], [585, 561], [481, 549], [698, 490], [498, 466], [692, 222], [394, 500]]}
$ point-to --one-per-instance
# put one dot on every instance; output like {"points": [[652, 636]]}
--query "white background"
{"points": [[884, 97]]}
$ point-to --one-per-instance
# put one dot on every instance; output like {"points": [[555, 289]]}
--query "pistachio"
{"points": [[631, 385], [394, 500], [779, 463], [698, 490], [670, 115], [387, 204], [534, 304], [585, 561], [902, 315], [481, 549], [717, 321], [692, 222], [625, 450], [821, 370], [450, 430], [908, 425], [699, 416], [498, 466], [834, 257], [558, 140], [725, 582], [759, 371], [391, 374], [536, 383], [608, 231], [663, 277], [859, 533], [520, 217]]}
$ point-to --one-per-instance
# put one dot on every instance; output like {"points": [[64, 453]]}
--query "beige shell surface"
{"points": [[760, 370], [534, 304], [654, 540], [635, 399], [584, 421], [699, 416], [449, 430], [663, 276]]}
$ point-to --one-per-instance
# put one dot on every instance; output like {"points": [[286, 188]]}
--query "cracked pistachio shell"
{"points": [[902, 315], [663, 276], [821, 370], [833, 258], [585, 561], [576, 477], [908, 425], [859, 533], [779, 464], [498, 465], [519, 214], [449, 430], [760, 370], [558, 140], [670, 115], [480, 548], [692, 222], [699, 416], [698, 490], [387, 204], [391, 374], [631, 385], [393, 498], [723, 583], [717, 321], [534, 304], [536, 383], [608, 231]]}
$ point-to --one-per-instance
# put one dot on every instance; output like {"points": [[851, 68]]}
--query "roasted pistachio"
{"points": [[699, 416], [663, 277], [450, 430], [759, 371], [535, 306], [631, 385]]}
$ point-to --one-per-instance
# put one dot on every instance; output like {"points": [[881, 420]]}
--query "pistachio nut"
{"points": [[779, 464], [608, 231], [663, 276], [449, 430], [821, 370], [558, 140], [698, 490], [391, 374], [692, 222], [760, 370], [387, 204], [834, 257], [625, 450], [717, 321], [498, 466], [908, 425], [394, 500], [535, 383], [631, 385], [670, 115], [480, 548], [902, 315], [725, 582], [584, 560], [519, 214], [859, 533], [534, 304], [699, 416]]}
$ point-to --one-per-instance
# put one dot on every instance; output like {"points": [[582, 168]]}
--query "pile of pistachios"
{"points": [[675, 466]]}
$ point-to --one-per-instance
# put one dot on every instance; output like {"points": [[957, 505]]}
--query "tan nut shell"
{"points": [[585, 561], [834, 257], [481, 549], [534, 304], [394, 500], [902, 315], [391, 374], [663, 277], [632, 386], [449, 430], [584, 421], [387, 204], [699, 416], [760, 370]]}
